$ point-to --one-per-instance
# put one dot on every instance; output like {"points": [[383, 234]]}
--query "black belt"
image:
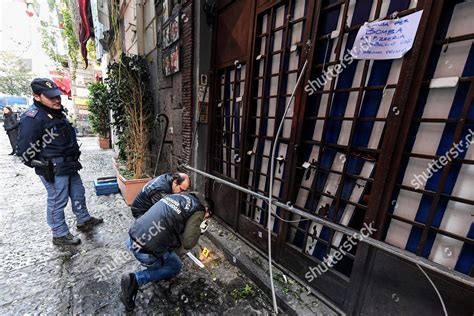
{"points": [[63, 159]]}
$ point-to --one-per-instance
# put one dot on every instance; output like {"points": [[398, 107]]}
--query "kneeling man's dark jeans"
{"points": [[156, 269]]}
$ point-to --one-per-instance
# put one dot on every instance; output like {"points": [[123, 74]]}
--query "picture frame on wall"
{"points": [[170, 33], [171, 58]]}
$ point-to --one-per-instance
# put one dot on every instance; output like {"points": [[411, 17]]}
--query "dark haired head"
{"points": [[179, 182], [180, 177], [10, 111]]}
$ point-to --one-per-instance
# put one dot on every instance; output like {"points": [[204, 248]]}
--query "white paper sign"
{"points": [[387, 39]]}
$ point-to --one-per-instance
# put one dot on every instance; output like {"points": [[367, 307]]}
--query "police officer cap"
{"points": [[46, 87]]}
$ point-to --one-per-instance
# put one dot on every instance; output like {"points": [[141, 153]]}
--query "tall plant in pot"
{"points": [[131, 103], [99, 112]]}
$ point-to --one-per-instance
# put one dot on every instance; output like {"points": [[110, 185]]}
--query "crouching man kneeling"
{"points": [[172, 222]]}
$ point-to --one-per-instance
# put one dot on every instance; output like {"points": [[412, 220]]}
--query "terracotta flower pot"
{"points": [[128, 188], [104, 143]]}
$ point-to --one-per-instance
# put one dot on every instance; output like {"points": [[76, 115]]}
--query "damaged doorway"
{"points": [[347, 147]]}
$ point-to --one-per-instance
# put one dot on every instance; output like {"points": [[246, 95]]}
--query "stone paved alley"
{"points": [[334, 135], [38, 277]]}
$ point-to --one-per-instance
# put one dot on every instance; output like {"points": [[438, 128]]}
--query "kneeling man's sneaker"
{"points": [[129, 287], [68, 239], [91, 222]]}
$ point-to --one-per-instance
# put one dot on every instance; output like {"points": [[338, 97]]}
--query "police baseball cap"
{"points": [[46, 87]]}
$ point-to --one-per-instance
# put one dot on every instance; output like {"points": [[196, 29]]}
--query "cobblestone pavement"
{"points": [[38, 277]]}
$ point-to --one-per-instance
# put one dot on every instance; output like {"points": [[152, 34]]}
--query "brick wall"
{"points": [[174, 95], [187, 79]]}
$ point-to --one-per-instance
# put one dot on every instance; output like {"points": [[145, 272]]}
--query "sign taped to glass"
{"points": [[389, 39]]}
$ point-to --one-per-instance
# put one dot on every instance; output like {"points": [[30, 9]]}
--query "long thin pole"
{"points": [[398, 252], [270, 191]]}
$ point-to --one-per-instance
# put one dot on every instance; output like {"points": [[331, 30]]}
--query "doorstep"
{"points": [[292, 297]]}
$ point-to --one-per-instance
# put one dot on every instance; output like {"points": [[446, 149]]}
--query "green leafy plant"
{"points": [[14, 77], [51, 4], [131, 103], [49, 34], [243, 293], [72, 41], [115, 18], [246, 291], [91, 50], [98, 105], [49, 46]]}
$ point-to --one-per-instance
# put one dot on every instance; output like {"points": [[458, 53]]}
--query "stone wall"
{"points": [[173, 94], [176, 95]]}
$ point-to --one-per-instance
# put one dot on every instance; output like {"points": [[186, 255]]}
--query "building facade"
{"points": [[384, 144]]}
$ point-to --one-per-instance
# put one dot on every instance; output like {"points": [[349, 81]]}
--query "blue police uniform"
{"points": [[151, 193], [47, 142]]}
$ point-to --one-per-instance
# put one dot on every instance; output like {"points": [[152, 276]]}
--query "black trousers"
{"points": [[12, 135]]}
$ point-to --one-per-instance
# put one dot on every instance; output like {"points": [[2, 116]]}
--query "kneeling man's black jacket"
{"points": [[160, 229]]}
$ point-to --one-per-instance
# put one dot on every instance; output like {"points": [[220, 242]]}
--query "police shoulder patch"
{"points": [[32, 111]]}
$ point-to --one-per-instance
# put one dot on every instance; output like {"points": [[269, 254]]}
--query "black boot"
{"points": [[91, 222], [67, 240], [129, 291]]}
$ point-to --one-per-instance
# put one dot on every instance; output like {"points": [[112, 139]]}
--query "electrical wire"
{"points": [[285, 220], [292, 221], [435, 288], [270, 191]]}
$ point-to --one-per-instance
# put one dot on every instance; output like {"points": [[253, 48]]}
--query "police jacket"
{"points": [[151, 193], [10, 122], [159, 230], [45, 134]]}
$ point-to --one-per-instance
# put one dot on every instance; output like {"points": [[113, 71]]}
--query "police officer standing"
{"points": [[47, 142]]}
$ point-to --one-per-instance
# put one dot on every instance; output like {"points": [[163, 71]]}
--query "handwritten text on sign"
{"points": [[387, 39]]}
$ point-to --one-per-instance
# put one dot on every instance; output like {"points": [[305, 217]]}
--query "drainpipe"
{"points": [[140, 27]]}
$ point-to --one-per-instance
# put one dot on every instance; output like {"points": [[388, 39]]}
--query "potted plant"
{"points": [[132, 111], [99, 111]]}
